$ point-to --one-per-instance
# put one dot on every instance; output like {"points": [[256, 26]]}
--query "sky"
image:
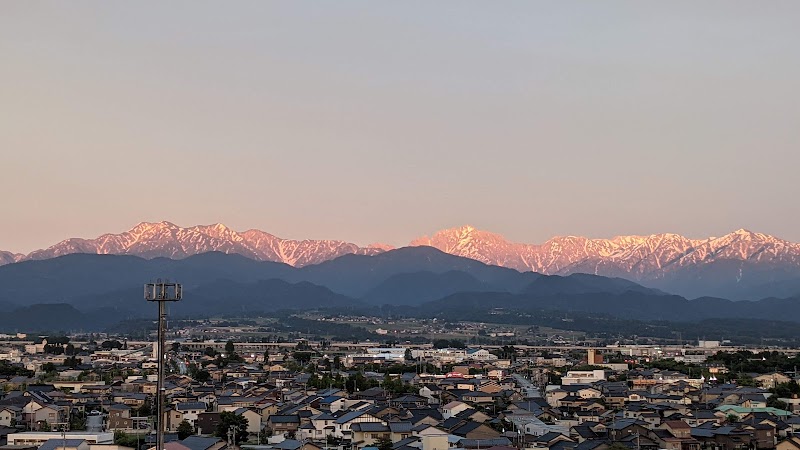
{"points": [[384, 121]]}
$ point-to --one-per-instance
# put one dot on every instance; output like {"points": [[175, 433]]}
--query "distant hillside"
{"points": [[420, 287], [54, 317], [431, 282], [630, 304], [356, 275], [739, 265]]}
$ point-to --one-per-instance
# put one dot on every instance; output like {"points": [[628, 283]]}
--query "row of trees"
{"points": [[359, 382], [228, 421]]}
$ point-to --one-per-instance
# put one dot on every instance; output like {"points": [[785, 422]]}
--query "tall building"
{"points": [[595, 357]]}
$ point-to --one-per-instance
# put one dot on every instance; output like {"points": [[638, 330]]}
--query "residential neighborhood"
{"points": [[303, 394]]}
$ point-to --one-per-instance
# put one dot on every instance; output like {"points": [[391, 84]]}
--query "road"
{"points": [[528, 389]]}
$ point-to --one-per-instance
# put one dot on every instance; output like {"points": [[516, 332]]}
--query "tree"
{"points": [[209, 351], [786, 390], [53, 349], [408, 356], [56, 340], [113, 344], [146, 409], [49, 367], [125, 440], [77, 421], [745, 380], [358, 382], [774, 402], [9, 370], [383, 443], [185, 429], [72, 362], [202, 376], [230, 348], [302, 357], [446, 343], [227, 420], [732, 418]]}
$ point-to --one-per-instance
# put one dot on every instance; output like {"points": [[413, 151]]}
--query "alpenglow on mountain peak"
{"points": [[165, 239], [632, 257]]}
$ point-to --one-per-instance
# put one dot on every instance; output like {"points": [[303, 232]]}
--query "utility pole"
{"points": [[162, 292], [64, 427], [232, 435]]}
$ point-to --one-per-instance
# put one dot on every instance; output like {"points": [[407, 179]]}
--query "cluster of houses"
{"points": [[483, 403]]}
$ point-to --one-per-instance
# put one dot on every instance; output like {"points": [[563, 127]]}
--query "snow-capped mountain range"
{"points": [[738, 265], [653, 260], [635, 256], [165, 239]]}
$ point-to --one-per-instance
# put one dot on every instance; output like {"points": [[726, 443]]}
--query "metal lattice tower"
{"points": [[162, 292]]}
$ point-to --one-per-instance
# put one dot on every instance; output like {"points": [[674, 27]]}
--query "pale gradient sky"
{"points": [[382, 121]]}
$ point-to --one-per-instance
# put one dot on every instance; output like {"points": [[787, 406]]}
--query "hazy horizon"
{"points": [[382, 122]]}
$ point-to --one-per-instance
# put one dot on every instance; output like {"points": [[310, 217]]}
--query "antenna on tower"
{"points": [[162, 292]]}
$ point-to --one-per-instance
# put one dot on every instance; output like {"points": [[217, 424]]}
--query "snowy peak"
{"points": [[633, 257], [165, 239], [152, 228], [466, 238], [9, 258], [638, 258], [484, 246]]}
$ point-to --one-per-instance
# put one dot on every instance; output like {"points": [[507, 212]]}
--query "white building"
{"points": [[396, 354], [11, 355], [444, 355], [583, 377], [388, 352], [451, 409], [480, 354], [38, 438]]}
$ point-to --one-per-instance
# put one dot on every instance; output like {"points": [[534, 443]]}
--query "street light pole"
{"points": [[162, 292]]}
